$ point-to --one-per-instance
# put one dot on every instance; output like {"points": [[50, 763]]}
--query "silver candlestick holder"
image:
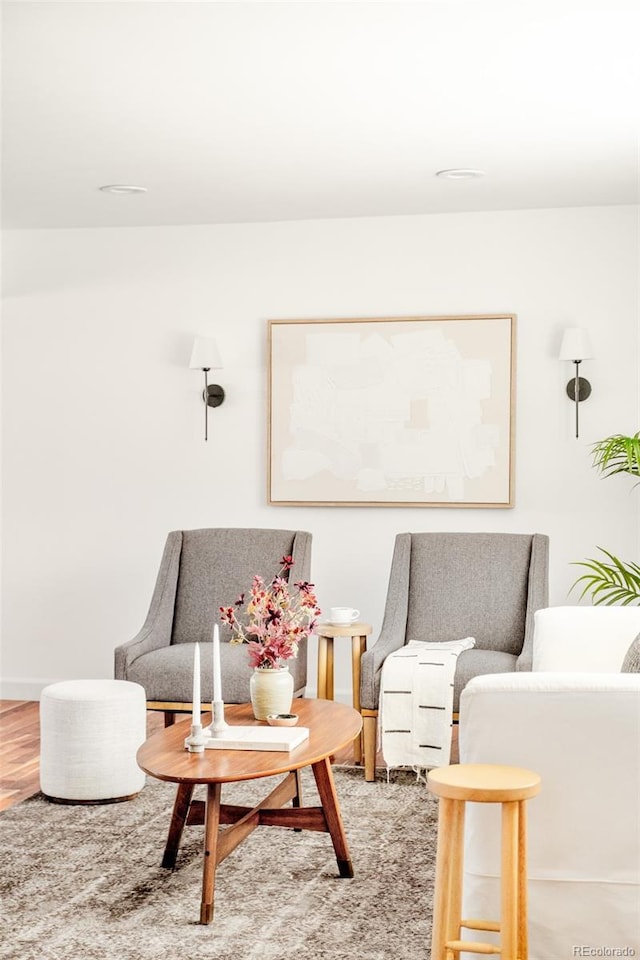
{"points": [[218, 725], [196, 739]]}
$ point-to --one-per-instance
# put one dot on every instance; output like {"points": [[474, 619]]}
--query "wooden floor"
{"points": [[20, 749]]}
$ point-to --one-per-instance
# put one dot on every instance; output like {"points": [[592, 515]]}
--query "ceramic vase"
{"points": [[271, 691]]}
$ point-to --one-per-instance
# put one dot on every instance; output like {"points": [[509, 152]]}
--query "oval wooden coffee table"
{"points": [[331, 727]]}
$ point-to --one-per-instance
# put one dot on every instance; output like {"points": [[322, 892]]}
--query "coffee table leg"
{"points": [[211, 824], [331, 808], [178, 818], [297, 800]]}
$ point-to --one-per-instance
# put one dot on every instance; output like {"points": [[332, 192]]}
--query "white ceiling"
{"points": [[240, 111]]}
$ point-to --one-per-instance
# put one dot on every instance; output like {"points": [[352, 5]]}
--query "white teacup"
{"points": [[339, 615]]}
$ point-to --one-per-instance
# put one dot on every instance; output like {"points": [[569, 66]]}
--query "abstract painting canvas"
{"points": [[400, 411]]}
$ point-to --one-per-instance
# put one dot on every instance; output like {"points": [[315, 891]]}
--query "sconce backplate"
{"points": [[584, 389], [214, 395]]}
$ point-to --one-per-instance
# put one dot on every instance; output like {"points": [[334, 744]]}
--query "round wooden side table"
{"points": [[326, 633]]}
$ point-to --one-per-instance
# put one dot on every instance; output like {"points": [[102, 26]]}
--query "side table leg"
{"points": [[322, 668], [331, 808], [211, 824], [330, 688], [178, 819]]}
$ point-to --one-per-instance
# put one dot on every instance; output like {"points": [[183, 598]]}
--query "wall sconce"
{"points": [[575, 347], [205, 356]]}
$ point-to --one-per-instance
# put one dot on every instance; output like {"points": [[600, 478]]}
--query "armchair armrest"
{"points": [[537, 595], [394, 626], [156, 630]]}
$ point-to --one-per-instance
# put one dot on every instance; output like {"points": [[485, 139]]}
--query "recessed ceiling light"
{"points": [[123, 188], [460, 173]]}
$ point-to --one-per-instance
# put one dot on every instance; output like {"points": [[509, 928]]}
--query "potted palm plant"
{"points": [[611, 580]]}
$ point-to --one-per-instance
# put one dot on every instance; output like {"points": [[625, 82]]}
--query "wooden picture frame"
{"points": [[392, 411]]}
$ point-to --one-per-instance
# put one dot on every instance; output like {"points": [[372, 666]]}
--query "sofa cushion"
{"points": [[583, 639]]}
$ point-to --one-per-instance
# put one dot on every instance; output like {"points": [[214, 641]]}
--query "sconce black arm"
{"points": [[212, 395], [578, 389]]}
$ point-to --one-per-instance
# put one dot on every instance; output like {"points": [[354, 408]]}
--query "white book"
{"points": [[258, 738]]}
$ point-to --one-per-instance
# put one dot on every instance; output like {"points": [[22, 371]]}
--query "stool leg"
{"points": [[523, 945], [510, 877], [446, 872], [457, 864]]}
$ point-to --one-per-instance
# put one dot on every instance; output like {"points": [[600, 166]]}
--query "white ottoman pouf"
{"points": [[90, 731]]}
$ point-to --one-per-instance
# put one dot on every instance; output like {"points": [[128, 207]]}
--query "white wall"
{"points": [[103, 446]]}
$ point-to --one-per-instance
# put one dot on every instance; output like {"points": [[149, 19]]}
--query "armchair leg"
{"points": [[169, 718], [369, 736]]}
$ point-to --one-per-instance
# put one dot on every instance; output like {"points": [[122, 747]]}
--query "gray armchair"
{"points": [[202, 570], [446, 586]]}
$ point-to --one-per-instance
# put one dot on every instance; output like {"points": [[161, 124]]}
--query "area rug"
{"points": [[85, 882]]}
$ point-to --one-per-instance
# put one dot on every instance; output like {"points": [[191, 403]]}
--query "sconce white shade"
{"points": [[575, 345], [205, 355]]}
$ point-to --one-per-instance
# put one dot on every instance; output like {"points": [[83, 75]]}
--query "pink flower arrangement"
{"points": [[276, 620]]}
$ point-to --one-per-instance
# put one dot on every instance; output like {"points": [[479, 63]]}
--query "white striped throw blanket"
{"points": [[416, 703]]}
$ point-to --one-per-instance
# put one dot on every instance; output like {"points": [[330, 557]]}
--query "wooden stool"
{"points": [[326, 632], [482, 783]]}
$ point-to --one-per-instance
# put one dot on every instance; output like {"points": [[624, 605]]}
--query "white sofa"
{"points": [[581, 732]]}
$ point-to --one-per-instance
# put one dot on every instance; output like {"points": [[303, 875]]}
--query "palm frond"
{"points": [[617, 454], [611, 581]]}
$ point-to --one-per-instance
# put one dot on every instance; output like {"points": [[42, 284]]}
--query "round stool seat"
{"points": [[90, 731], [484, 783]]}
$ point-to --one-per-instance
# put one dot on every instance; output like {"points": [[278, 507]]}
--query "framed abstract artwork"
{"points": [[392, 411]]}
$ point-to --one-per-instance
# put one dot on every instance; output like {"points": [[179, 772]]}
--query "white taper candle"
{"points": [[196, 686], [217, 672]]}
